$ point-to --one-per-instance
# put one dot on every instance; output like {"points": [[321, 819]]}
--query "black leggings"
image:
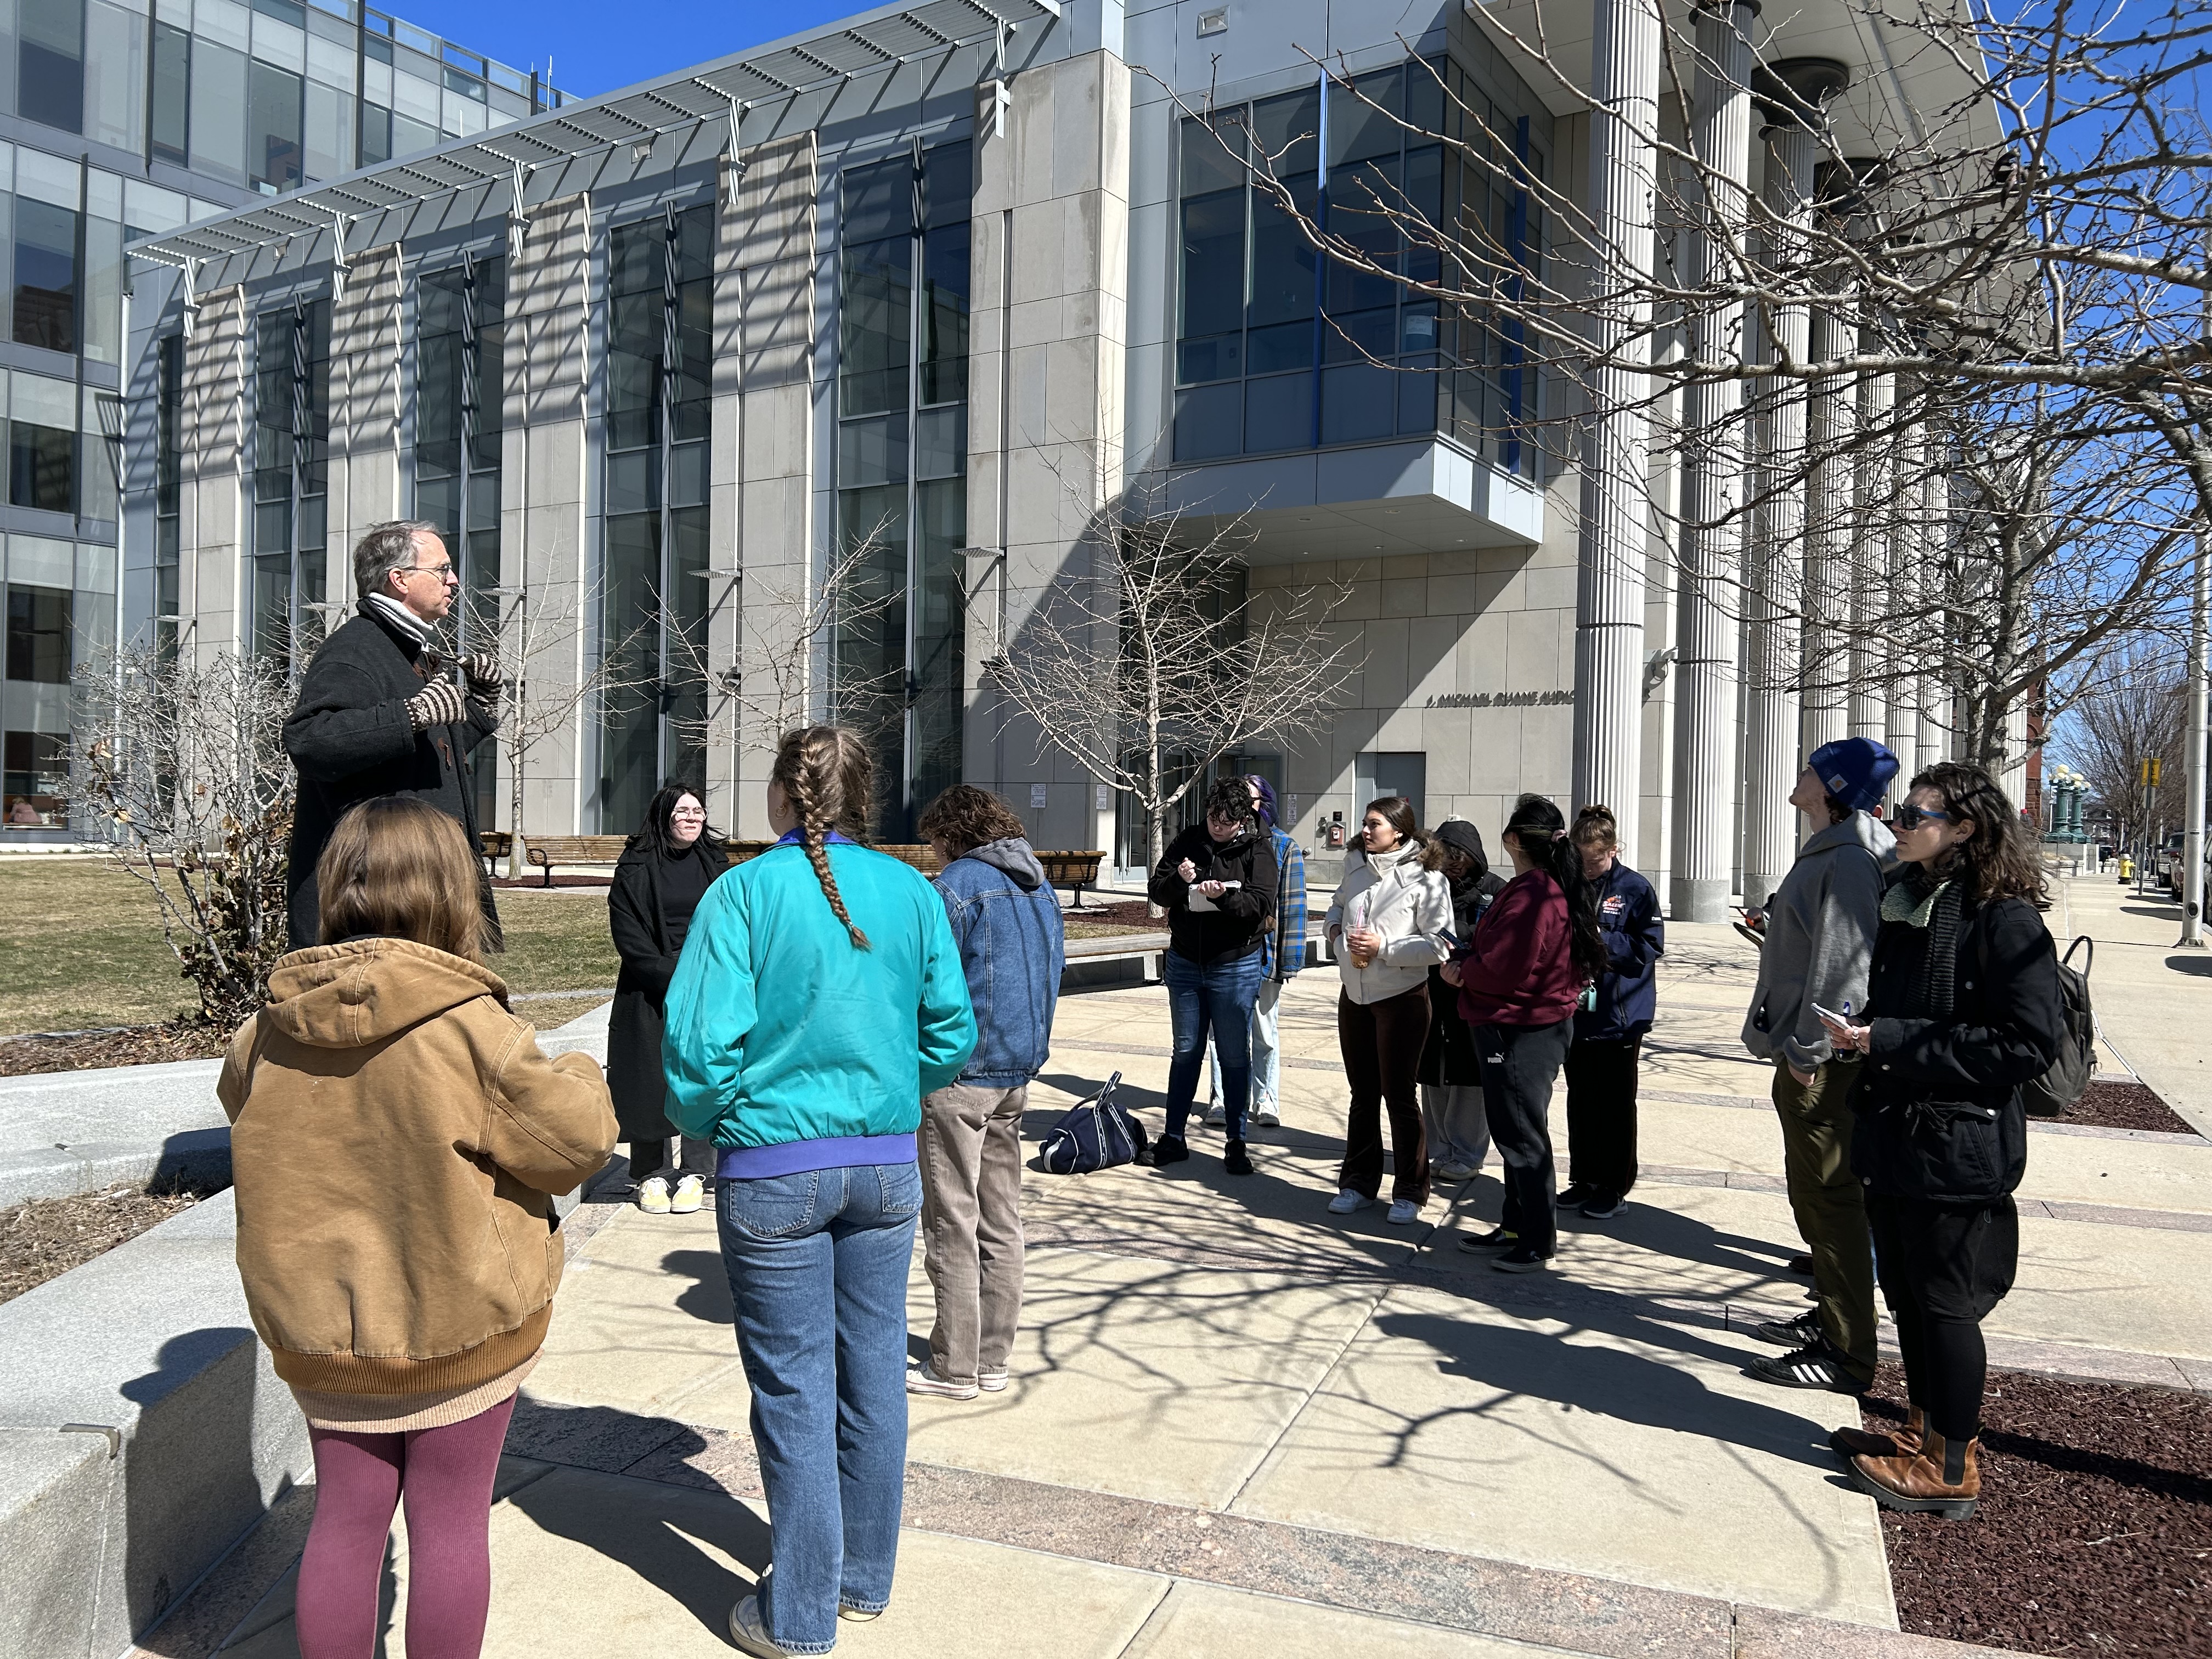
{"points": [[1942, 1267], [650, 1157], [1520, 1063]]}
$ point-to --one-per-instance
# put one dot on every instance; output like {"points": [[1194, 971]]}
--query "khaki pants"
{"points": [[1826, 1199], [971, 1226]]}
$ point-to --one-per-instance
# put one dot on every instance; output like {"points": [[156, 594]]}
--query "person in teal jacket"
{"points": [[819, 997]]}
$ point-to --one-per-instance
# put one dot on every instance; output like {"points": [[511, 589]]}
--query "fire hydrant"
{"points": [[2127, 869]]}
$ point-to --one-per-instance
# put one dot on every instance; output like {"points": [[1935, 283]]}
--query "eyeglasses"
{"points": [[442, 572], [1912, 817]]}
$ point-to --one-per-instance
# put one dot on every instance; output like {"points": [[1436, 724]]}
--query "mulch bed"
{"points": [[47, 1236], [2110, 1104], [1133, 913], [537, 879], [124, 1045], [2095, 1530]]}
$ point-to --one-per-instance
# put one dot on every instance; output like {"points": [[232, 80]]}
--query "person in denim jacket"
{"points": [[1007, 925]]}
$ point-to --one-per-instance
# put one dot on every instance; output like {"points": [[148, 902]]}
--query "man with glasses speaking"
{"points": [[383, 710]]}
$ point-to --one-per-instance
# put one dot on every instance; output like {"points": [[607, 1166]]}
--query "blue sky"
{"points": [[596, 48]]}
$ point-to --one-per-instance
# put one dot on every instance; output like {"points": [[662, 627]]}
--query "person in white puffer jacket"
{"points": [[1390, 922]]}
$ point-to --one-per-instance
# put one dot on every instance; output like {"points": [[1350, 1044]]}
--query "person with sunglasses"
{"points": [[383, 710], [1821, 926], [1963, 1007]]}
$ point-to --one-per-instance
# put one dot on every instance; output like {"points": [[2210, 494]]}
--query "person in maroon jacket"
{"points": [[1521, 978]]}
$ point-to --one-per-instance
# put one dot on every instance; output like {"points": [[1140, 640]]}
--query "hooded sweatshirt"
{"points": [[1007, 924], [1409, 905], [396, 1134], [1820, 929]]}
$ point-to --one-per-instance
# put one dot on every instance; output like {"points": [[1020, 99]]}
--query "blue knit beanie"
{"points": [[1855, 771]]}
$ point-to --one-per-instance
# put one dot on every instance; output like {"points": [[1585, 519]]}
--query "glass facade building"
{"points": [[123, 121], [903, 295], [1279, 349]]}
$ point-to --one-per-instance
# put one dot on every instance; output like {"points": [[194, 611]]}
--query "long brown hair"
{"points": [[396, 868], [827, 775], [2000, 860]]}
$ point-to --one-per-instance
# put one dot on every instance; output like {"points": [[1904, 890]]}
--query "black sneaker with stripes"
{"points": [[1790, 1332], [1815, 1366]]}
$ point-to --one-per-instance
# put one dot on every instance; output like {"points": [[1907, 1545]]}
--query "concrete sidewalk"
{"points": [[1241, 1426]]}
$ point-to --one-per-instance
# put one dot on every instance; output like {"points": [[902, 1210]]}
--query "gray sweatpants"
{"points": [[970, 1148]]}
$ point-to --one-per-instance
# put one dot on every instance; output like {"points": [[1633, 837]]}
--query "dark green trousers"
{"points": [[1826, 1199]]}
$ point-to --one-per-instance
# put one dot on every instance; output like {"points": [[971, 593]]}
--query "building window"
{"points": [[50, 63], [273, 134], [461, 335], [171, 132], [902, 468], [38, 634], [35, 784], [168, 485], [291, 472], [654, 597], [45, 275], [1271, 355], [41, 441]]}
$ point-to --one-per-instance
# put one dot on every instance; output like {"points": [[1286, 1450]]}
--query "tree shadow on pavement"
{"points": [[1587, 1369]]}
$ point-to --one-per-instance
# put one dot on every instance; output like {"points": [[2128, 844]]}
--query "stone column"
{"points": [[210, 561], [1615, 510], [1872, 545], [1048, 276], [543, 457], [1936, 696], [365, 326], [1908, 553], [761, 461], [1706, 757], [1832, 422], [1771, 756]]}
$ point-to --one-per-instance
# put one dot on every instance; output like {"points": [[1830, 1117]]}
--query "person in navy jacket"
{"points": [[1601, 1066]]}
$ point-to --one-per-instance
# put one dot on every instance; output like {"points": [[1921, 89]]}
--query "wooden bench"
{"points": [[1076, 870], [492, 846], [546, 851], [923, 856]]}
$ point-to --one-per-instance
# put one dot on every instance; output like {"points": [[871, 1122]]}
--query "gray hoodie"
{"points": [[1014, 856], [1819, 940]]}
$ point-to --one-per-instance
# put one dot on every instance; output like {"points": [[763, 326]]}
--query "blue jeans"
{"points": [[1217, 996], [817, 1265]]}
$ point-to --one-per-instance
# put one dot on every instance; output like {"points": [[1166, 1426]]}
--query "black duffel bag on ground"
{"points": [[1094, 1134]]}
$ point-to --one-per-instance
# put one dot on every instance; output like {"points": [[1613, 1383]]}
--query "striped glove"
{"points": [[438, 703]]}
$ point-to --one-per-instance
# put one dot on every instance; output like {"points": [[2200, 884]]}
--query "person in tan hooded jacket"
{"points": [[396, 1136]]}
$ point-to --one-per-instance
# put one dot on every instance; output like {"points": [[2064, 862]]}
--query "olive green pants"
{"points": [[1825, 1198]]}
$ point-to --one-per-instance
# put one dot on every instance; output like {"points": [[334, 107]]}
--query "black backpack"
{"points": [[2049, 1094], [1094, 1134]]}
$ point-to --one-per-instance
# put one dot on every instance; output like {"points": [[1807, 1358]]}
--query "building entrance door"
{"points": [[1383, 772]]}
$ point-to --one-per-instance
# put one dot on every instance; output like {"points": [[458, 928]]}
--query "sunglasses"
{"points": [[1912, 817]]}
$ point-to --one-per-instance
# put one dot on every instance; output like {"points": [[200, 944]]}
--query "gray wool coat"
{"points": [[1820, 929]]}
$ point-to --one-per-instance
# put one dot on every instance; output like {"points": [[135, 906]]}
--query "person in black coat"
{"points": [[663, 873], [1963, 1007], [1601, 1068], [378, 712], [1454, 1124], [1218, 883]]}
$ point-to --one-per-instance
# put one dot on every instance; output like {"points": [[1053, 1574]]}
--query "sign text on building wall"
{"points": [[1499, 699]]}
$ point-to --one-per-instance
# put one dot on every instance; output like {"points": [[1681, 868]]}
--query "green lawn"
{"points": [[83, 944]]}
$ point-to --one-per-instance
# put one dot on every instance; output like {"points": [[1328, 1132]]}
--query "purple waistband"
{"points": [[798, 1157]]}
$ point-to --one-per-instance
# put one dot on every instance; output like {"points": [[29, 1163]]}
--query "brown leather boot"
{"points": [[1896, 1443], [1942, 1476]]}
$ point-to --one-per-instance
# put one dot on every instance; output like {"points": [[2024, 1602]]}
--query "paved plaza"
{"points": [[1240, 1427]]}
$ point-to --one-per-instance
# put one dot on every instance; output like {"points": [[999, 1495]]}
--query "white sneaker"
{"points": [[1403, 1214], [1268, 1117], [992, 1381], [1217, 1113], [750, 1635], [690, 1193], [653, 1198], [921, 1379], [1455, 1172], [1346, 1200]]}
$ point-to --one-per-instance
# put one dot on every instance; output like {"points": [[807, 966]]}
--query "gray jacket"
{"points": [[1820, 929]]}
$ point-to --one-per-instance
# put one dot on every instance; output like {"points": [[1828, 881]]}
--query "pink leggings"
{"points": [[445, 1474]]}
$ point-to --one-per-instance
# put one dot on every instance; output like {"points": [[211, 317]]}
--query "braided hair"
{"points": [[826, 774], [1541, 830]]}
